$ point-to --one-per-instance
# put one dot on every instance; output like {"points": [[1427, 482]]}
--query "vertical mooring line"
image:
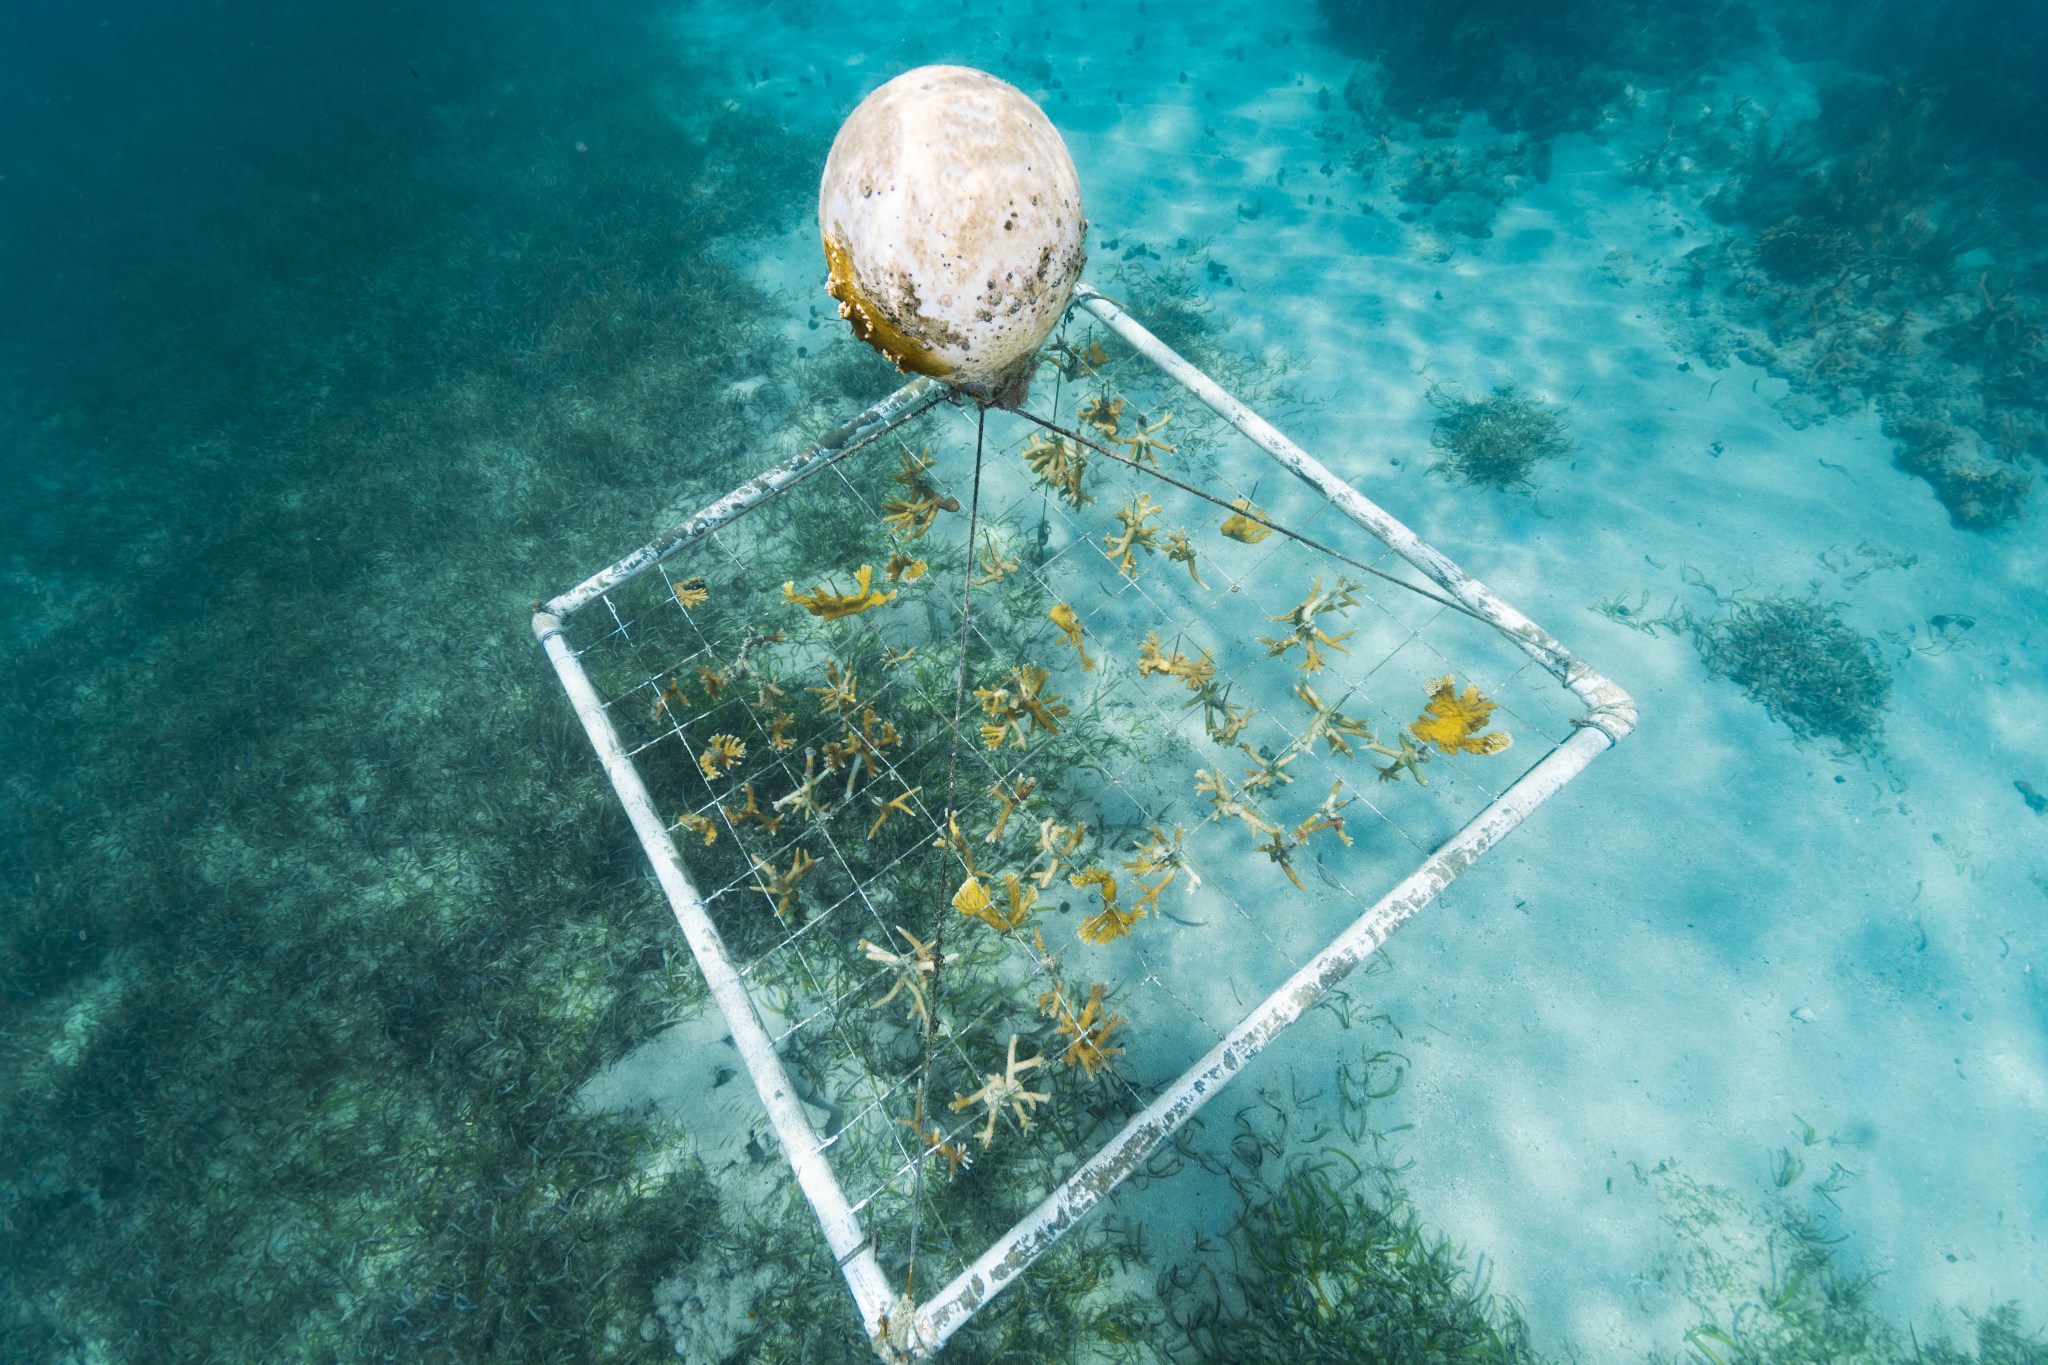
{"points": [[931, 1021]]}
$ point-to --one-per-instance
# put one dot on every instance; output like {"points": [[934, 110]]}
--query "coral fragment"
{"points": [[1452, 722]]}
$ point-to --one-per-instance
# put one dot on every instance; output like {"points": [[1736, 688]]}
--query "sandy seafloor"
{"points": [[1717, 936]]}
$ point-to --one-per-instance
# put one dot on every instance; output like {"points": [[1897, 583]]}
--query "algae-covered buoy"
{"points": [[951, 216]]}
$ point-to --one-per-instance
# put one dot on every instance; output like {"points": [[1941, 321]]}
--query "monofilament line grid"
{"points": [[1223, 734]]}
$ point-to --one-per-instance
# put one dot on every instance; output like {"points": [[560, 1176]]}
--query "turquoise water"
{"points": [[336, 992]]}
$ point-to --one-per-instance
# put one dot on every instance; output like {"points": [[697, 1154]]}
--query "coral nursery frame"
{"points": [[900, 1327]]}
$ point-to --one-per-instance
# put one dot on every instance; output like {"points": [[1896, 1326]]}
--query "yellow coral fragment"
{"points": [[974, 901], [1090, 1029], [830, 606], [721, 755], [1452, 722], [1181, 550], [671, 694], [1063, 616], [1011, 797], [1136, 534], [858, 752], [955, 842], [902, 566], [1328, 816], [1145, 444], [782, 885], [1074, 362], [1023, 900], [1104, 413], [1004, 1090], [1280, 849], [1021, 699], [691, 592], [994, 567], [1242, 528], [898, 805], [1056, 842], [700, 824], [1194, 674], [910, 517], [912, 477], [740, 815], [935, 1144], [1113, 923], [843, 694], [1060, 464], [1109, 926], [1157, 855]]}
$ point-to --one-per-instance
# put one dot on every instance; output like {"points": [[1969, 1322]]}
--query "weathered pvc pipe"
{"points": [[899, 407], [800, 1141], [1609, 709], [1012, 1253]]}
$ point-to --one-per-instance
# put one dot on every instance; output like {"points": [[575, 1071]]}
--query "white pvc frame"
{"points": [[899, 1328]]}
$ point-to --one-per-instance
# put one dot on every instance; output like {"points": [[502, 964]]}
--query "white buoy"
{"points": [[951, 216]]}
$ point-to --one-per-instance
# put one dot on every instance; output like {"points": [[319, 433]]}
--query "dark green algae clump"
{"points": [[1804, 664]]}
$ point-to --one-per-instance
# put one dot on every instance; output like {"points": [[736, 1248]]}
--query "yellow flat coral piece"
{"points": [[1242, 528], [830, 606], [974, 901], [1452, 721], [691, 592]]}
